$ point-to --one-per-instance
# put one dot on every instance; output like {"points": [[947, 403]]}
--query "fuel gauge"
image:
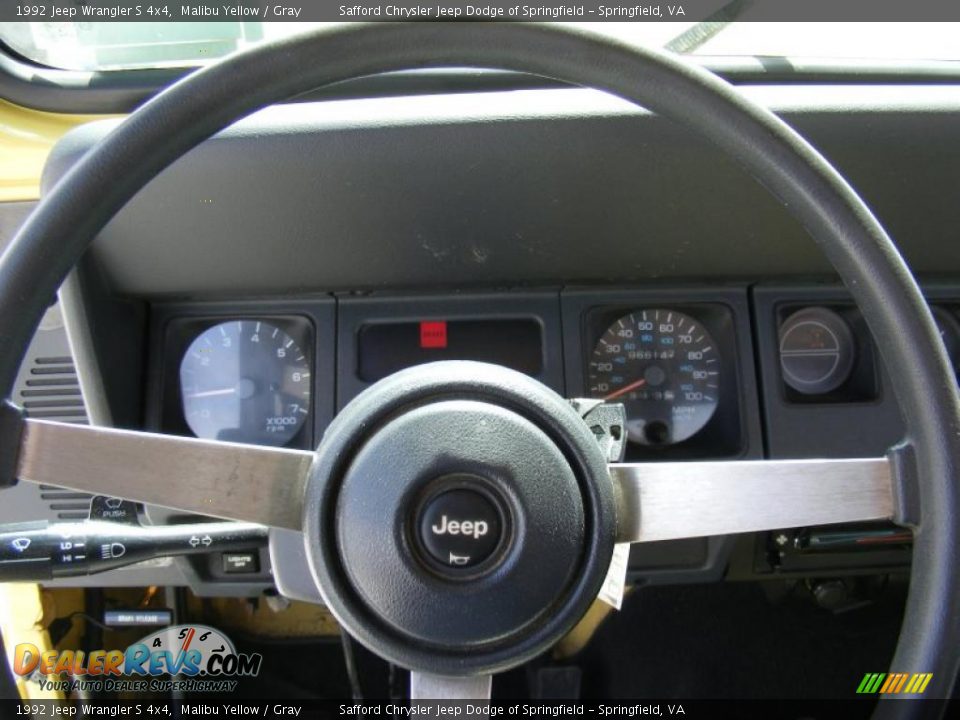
{"points": [[817, 351]]}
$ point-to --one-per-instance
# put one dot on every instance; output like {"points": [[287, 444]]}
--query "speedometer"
{"points": [[663, 366]]}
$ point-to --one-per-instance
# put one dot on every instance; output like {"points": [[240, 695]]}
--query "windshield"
{"points": [[125, 45]]}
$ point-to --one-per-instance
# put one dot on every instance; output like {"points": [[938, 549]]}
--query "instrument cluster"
{"points": [[244, 376]]}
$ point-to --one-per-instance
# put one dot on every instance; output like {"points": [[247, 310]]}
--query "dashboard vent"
{"points": [[67, 504], [51, 391]]}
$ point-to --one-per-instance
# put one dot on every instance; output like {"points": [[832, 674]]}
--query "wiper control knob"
{"points": [[44, 551]]}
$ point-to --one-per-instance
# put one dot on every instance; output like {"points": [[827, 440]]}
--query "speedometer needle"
{"points": [[212, 393], [627, 388]]}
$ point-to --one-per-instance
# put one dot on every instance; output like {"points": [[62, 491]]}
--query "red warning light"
{"points": [[433, 334]]}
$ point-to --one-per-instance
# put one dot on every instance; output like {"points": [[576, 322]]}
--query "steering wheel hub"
{"points": [[459, 511]]}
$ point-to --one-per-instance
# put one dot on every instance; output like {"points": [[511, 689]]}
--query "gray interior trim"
{"points": [[517, 188], [80, 339]]}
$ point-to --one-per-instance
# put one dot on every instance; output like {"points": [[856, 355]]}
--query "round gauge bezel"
{"points": [[251, 370], [179, 331], [843, 354], [661, 410]]}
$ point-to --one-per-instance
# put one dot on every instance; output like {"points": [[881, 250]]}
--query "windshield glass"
{"points": [[124, 45]]}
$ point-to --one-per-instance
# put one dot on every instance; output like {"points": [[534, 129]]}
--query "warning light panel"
{"points": [[433, 334], [386, 347]]}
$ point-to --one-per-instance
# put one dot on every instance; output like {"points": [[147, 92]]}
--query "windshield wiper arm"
{"points": [[705, 30]]}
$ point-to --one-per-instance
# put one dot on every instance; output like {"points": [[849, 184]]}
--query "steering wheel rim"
{"points": [[100, 184]]}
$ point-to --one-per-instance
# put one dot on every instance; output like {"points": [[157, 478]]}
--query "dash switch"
{"points": [[241, 563]]}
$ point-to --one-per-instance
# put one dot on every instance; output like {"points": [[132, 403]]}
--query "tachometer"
{"points": [[663, 366], [245, 381]]}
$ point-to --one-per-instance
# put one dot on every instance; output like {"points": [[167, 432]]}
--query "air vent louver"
{"points": [[52, 392]]}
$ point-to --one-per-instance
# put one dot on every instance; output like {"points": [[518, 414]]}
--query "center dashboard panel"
{"points": [[378, 335]]}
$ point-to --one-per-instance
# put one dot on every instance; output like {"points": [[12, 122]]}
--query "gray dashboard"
{"points": [[553, 203], [515, 188]]}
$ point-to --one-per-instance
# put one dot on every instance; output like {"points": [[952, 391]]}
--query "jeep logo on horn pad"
{"points": [[476, 528], [459, 527]]}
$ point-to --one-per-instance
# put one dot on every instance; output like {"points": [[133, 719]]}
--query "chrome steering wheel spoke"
{"points": [[225, 480], [668, 501], [424, 686]]}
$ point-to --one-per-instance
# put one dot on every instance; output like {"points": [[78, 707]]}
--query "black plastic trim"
{"points": [[11, 430], [906, 485]]}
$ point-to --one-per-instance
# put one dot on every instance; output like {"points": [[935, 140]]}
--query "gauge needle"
{"points": [[212, 393], [627, 388]]}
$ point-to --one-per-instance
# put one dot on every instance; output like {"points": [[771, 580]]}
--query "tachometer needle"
{"points": [[212, 393], [625, 389]]}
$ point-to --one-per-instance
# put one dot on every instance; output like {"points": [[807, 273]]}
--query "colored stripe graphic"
{"points": [[901, 682], [891, 679], [871, 683], [894, 683]]}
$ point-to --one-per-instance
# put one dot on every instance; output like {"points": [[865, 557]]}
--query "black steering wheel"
{"points": [[530, 470]]}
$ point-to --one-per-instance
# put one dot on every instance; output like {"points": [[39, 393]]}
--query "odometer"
{"points": [[663, 366]]}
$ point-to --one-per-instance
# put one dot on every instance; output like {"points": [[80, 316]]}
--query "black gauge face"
{"points": [[817, 350], [245, 381], [663, 366]]}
